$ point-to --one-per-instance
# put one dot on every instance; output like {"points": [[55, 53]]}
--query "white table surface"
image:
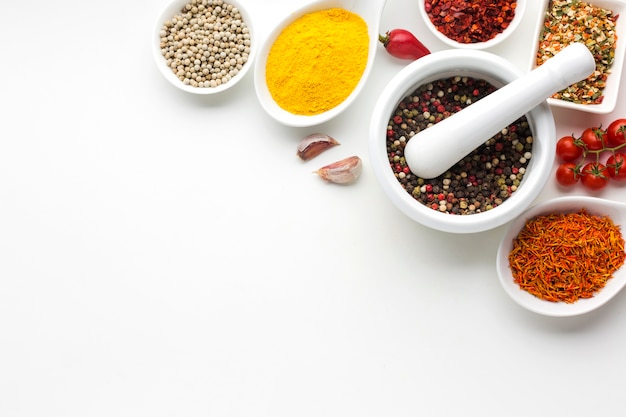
{"points": [[165, 254]]}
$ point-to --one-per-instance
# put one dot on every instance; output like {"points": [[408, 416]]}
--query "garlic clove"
{"points": [[313, 145], [345, 171]]}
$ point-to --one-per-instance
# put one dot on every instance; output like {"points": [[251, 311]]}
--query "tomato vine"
{"points": [[582, 157]]}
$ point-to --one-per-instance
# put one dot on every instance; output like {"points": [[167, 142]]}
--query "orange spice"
{"points": [[566, 257]]}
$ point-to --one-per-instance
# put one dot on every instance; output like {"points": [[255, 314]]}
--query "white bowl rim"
{"points": [[172, 8], [436, 66], [499, 38]]}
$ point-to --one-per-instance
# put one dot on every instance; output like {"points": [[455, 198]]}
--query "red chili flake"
{"points": [[470, 21]]}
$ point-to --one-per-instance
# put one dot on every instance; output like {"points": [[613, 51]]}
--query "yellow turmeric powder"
{"points": [[317, 61]]}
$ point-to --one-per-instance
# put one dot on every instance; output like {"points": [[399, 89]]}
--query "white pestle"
{"points": [[433, 151]]}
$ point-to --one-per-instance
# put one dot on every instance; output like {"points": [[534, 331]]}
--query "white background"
{"points": [[165, 254]]}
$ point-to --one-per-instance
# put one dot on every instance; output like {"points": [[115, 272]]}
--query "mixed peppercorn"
{"points": [[569, 21], [486, 177]]}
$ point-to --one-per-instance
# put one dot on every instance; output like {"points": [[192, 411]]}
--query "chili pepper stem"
{"points": [[384, 39]]}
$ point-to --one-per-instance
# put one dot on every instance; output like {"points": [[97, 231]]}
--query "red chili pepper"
{"points": [[403, 44]]}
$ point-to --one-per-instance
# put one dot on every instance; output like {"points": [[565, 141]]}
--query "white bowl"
{"points": [[517, 18], [612, 87], [477, 64], [571, 204], [172, 9], [370, 11]]}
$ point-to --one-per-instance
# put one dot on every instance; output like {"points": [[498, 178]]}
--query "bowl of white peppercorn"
{"points": [[493, 183], [204, 46]]}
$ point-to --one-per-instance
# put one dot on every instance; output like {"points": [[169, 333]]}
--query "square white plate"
{"points": [[611, 89]]}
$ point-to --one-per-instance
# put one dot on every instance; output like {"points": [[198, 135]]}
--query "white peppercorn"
{"points": [[206, 44]]}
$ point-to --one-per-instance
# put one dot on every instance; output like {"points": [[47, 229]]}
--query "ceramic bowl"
{"points": [[370, 11], [173, 8], [611, 90], [477, 64], [519, 14], [570, 204]]}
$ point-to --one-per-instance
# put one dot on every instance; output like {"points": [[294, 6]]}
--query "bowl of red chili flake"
{"points": [[492, 184], [476, 24], [565, 256], [596, 24]]}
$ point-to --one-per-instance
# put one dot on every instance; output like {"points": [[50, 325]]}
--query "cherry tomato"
{"points": [[615, 133], [616, 166], [594, 176], [569, 149], [593, 138], [403, 44], [567, 174]]}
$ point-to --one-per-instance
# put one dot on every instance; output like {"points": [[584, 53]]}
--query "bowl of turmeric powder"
{"points": [[565, 256], [316, 61], [492, 184], [472, 24], [204, 47]]}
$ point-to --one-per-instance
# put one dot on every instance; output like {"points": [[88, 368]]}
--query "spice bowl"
{"points": [[214, 56], [562, 205], [370, 12], [461, 64], [496, 28], [611, 89]]}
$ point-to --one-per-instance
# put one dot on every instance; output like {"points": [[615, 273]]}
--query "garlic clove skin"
{"points": [[345, 171], [313, 145]]}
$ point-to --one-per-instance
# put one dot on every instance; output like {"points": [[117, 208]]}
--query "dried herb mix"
{"points": [[569, 21], [485, 178], [565, 257]]}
